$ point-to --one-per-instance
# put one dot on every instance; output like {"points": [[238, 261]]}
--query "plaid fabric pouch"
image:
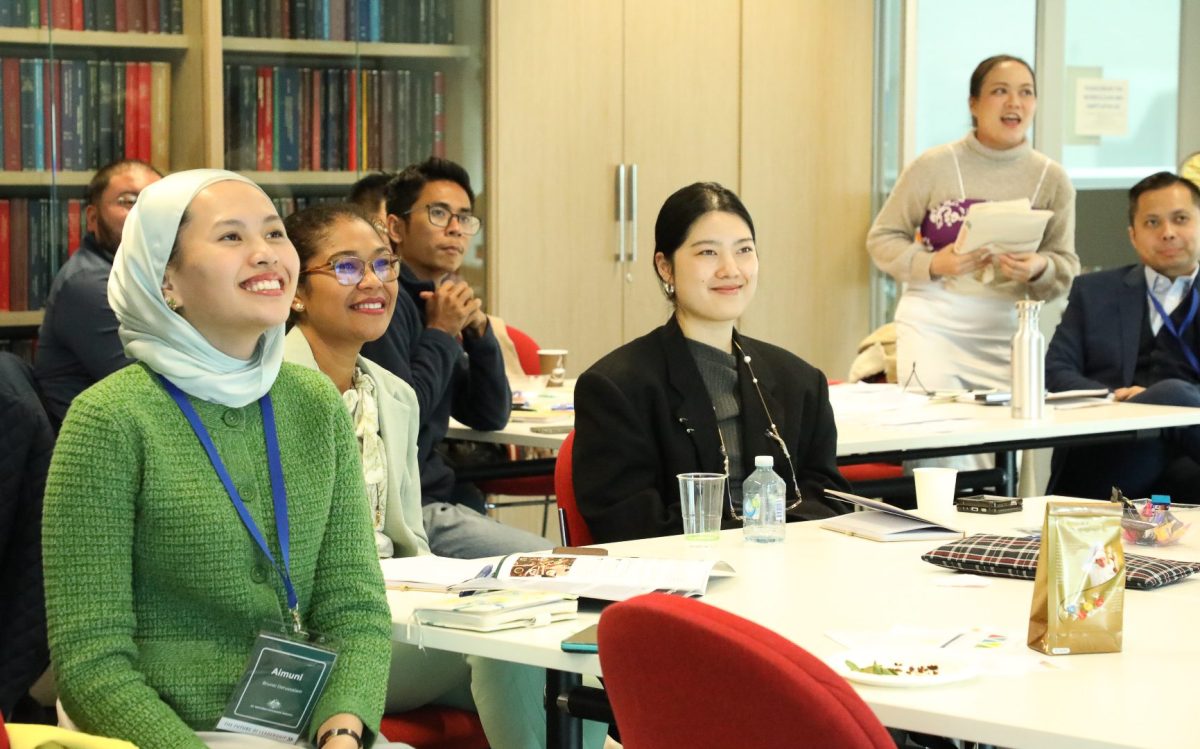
{"points": [[1010, 556]]}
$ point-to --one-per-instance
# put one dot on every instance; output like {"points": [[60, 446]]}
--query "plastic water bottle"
{"points": [[763, 503]]}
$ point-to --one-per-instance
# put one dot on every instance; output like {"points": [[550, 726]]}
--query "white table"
{"points": [[820, 581], [875, 430], [521, 424]]}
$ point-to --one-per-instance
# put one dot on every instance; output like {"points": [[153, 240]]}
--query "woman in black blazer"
{"points": [[694, 394]]}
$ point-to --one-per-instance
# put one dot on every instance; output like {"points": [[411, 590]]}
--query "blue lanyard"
{"points": [[1177, 333], [278, 490]]}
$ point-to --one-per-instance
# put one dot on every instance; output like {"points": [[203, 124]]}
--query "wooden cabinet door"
{"points": [[682, 113], [555, 136], [806, 173]]}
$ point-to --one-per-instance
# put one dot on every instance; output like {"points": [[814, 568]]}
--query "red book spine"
{"points": [[269, 127], [122, 15], [74, 235], [61, 14], [143, 111], [135, 11], [4, 254], [77, 15], [152, 9], [261, 150], [131, 111], [352, 125], [314, 105], [44, 13], [285, 19], [439, 114], [11, 75]]}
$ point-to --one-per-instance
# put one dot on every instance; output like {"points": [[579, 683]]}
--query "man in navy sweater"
{"points": [[440, 342], [1134, 331], [78, 343]]}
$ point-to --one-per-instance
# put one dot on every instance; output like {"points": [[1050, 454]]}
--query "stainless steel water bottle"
{"points": [[1028, 363]]}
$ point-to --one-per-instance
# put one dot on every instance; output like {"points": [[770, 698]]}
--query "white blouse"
{"points": [[360, 401]]}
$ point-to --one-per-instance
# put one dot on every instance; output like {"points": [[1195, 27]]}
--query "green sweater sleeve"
{"points": [[88, 536], [348, 597]]}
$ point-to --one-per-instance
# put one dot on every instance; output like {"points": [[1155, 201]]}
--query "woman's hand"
{"points": [[1026, 267], [341, 741], [948, 261]]}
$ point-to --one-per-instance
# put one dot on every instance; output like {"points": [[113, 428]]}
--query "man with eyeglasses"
{"points": [[78, 343], [440, 342], [1133, 330]]}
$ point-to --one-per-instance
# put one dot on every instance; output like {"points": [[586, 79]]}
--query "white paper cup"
{"points": [[700, 498], [935, 490]]}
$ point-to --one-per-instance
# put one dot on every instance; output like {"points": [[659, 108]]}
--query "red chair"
{"points": [[574, 528], [521, 486], [859, 472], [683, 674], [527, 350], [435, 727]]}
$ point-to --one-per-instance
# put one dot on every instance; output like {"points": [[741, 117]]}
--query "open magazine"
{"points": [[883, 522], [604, 577]]}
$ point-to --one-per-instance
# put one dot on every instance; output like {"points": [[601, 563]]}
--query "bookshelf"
{"points": [[196, 111]]}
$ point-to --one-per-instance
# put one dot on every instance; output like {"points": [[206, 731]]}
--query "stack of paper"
{"points": [[498, 609], [1005, 226]]}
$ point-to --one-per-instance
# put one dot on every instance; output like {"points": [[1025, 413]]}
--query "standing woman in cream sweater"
{"points": [[952, 327]]}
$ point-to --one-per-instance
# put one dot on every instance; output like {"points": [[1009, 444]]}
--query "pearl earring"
{"points": [[298, 306]]}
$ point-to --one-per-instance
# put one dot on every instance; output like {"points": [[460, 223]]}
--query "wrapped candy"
{"points": [[1149, 522]]}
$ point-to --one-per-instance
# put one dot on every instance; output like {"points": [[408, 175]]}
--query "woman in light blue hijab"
{"points": [[209, 495]]}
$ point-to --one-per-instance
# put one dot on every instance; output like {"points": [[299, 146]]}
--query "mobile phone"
{"points": [[583, 641], [552, 429], [988, 504]]}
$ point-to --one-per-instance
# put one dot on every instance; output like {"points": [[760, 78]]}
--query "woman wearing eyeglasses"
{"points": [[955, 324], [345, 297], [696, 395]]}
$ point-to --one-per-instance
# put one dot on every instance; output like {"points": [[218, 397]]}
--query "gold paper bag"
{"points": [[1079, 591]]}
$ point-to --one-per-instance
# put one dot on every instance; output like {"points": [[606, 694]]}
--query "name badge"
{"points": [[277, 695]]}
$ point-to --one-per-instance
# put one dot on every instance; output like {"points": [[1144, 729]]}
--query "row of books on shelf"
{"points": [[285, 206], [36, 237], [81, 114], [406, 21], [142, 16], [292, 118]]}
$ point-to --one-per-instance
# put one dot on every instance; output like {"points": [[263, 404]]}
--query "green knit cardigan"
{"points": [[155, 591]]}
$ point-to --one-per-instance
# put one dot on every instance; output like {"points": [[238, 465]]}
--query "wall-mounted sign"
{"points": [[1101, 107]]}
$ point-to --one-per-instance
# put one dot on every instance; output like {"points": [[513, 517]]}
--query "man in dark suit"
{"points": [[1134, 330]]}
